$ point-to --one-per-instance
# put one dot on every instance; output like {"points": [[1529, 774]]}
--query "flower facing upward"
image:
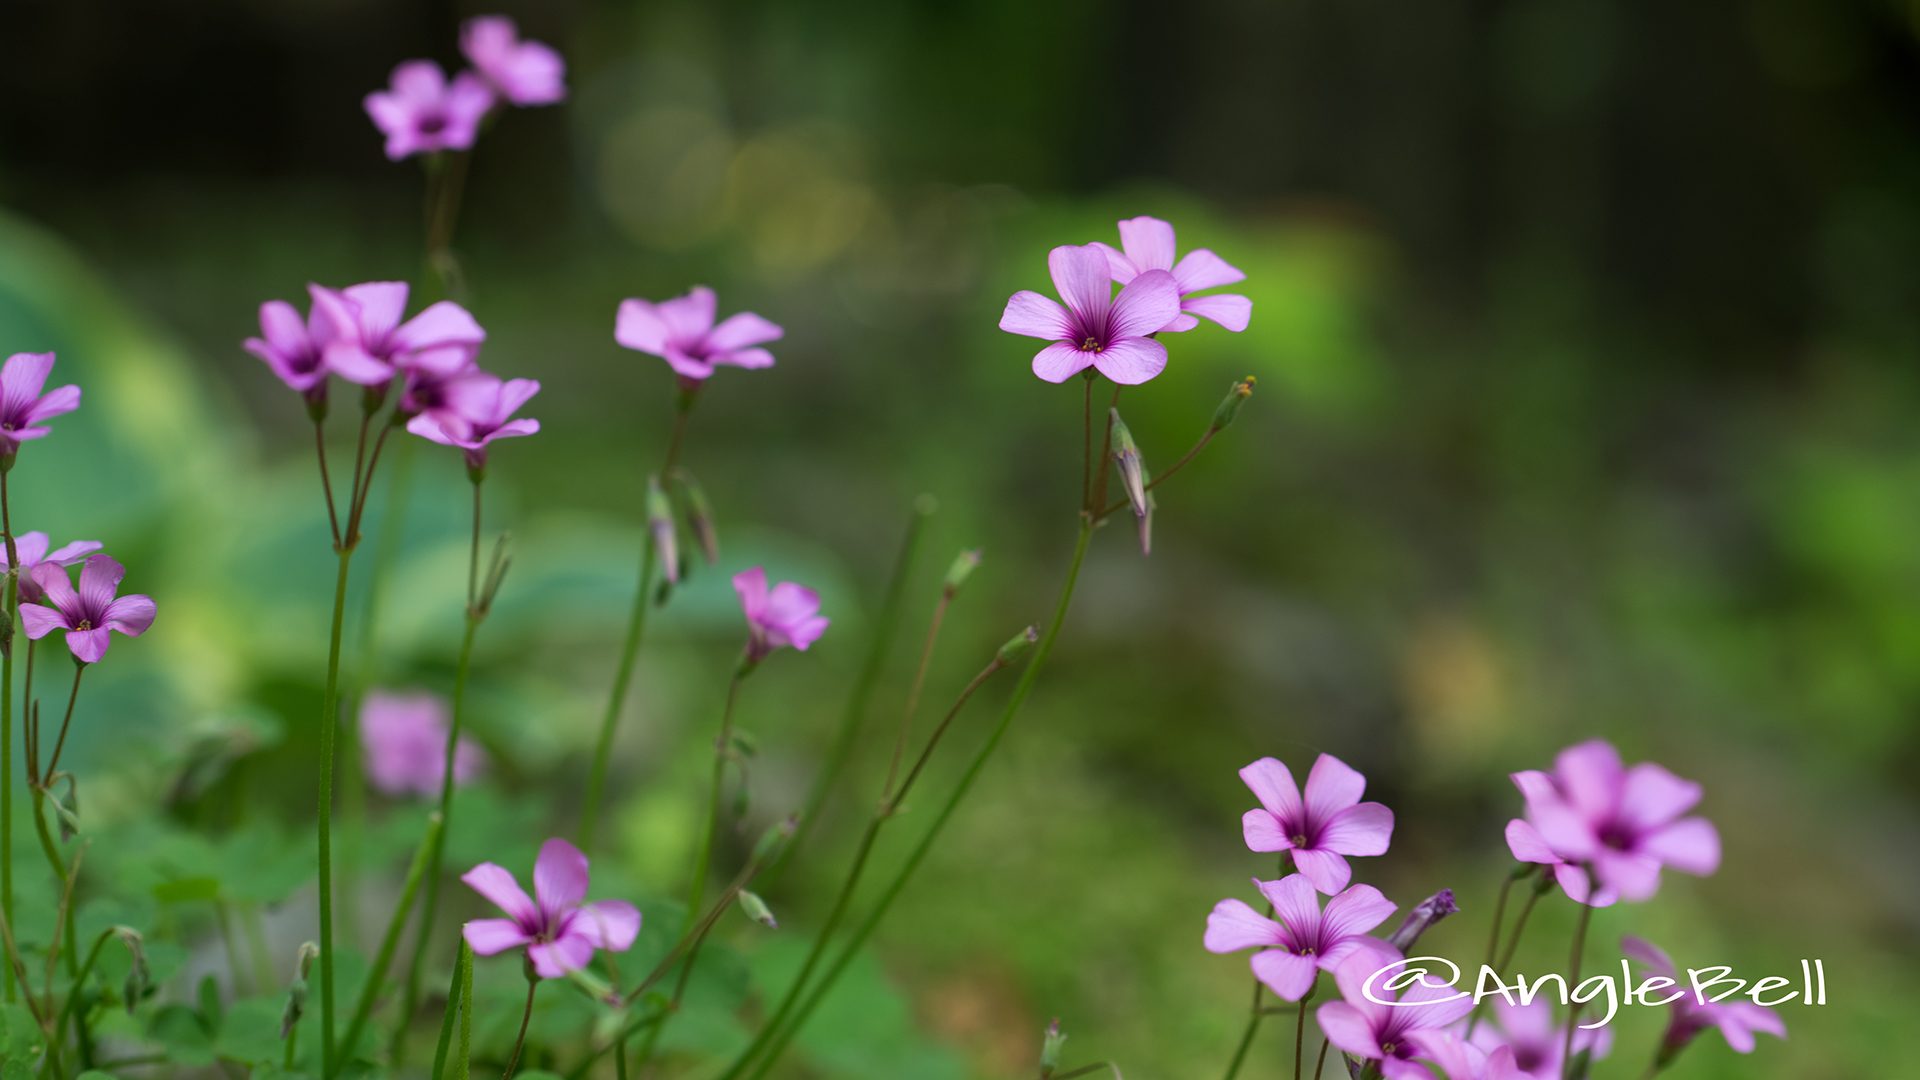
{"points": [[524, 72], [1534, 1038], [369, 344], [32, 549], [295, 349], [559, 931], [1148, 244], [1095, 329], [1304, 940], [89, 614], [681, 332], [1737, 1020], [1624, 824], [479, 411], [405, 741], [1320, 830], [22, 405], [1400, 1035], [422, 113], [787, 614]]}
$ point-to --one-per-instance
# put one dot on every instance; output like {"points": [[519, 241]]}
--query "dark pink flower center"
{"points": [[1618, 836], [432, 123], [1092, 331]]}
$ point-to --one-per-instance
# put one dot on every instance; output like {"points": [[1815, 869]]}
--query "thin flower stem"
{"points": [[53, 764], [520, 1041], [1099, 492], [351, 536], [1259, 990], [473, 574], [326, 479], [456, 1003], [1493, 938], [1320, 1063], [1573, 980], [12, 611], [61, 916], [913, 692], [630, 648], [1300, 1033], [905, 873], [68, 1008], [1519, 927], [365, 486], [1192, 452], [1086, 442], [377, 976], [329, 720]]}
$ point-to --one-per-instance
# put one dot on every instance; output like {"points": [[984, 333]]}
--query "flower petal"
{"points": [[1691, 844], [1131, 361], [66, 555], [1634, 876], [1527, 845], [1651, 796], [608, 924], [1118, 265], [1348, 1028], [1332, 786], [1032, 315], [1233, 925], [99, 580], [1354, 912], [1202, 269], [742, 330], [22, 378], [751, 359], [1059, 362], [1273, 785], [1148, 242], [1590, 776], [1081, 277], [1145, 306], [553, 959], [1328, 871], [638, 325], [1230, 310], [1263, 832], [442, 323], [1295, 904], [559, 877], [1366, 829], [489, 937], [131, 615], [496, 883], [751, 585], [688, 317], [1288, 975], [39, 620], [89, 646]]}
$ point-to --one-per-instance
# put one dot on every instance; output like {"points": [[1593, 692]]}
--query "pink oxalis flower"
{"points": [[293, 348], [1320, 830], [1606, 829], [560, 931], [1147, 244], [478, 412], [1300, 940], [1533, 1039], [787, 614], [681, 332], [1095, 329], [522, 72], [1738, 1021], [32, 549], [404, 737], [369, 344], [421, 112], [1395, 1036], [89, 614], [23, 408]]}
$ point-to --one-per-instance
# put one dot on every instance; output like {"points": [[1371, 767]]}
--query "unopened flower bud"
{"points": [[1050, 1047], [297, 991], [1424, 915], [757, 910], [699, 514], [139, 978], [1017, 646], [1237, 395], [1126, 454], [964, 564], [660, 526], [775, 838]]}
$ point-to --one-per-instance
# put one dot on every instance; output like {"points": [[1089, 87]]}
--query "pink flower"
{"points": [[1737, 1020], [295, 350], [1096, 328], [681, 332], [479, 411], [369, 344], [1304, 941], [1593, 817], [87, 615], [423, 113], [1149, 246], [559, 931], [32, 549], [524, 72], [1321, 829], [1400, 1035], [1533, 1039], [23, 407], [404, 737], [786, 615]]}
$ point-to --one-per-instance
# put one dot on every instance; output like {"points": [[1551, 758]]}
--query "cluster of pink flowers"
{"points": [[424, 112], [1601, 830]]}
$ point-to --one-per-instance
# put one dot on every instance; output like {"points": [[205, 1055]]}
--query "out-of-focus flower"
{"points": [[435, 382], [1095, 329], [523, 72], [295, 349], [32, 549], [1300, 940], [1738, 1021], [1624, 824], [89, 614], [681, 332], [421, 112], [481, 411], [1320, 830], [404, 737], [1148, 245], [23, 407], [1421, 919], [370, 343], [787, 614], [1400, 1035], [1534, 1040], [560, 932]]}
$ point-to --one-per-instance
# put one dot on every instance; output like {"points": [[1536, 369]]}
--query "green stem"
{"points": [[1573, 981], [376, 977], [457, 992], [1320, 1062], [6, 719], [520, 1041], [329, 721], [967, 779], [1300, 1033], [68, 1010], [1246, 1036]]}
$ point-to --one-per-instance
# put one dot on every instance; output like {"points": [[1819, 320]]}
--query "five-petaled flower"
{"points": [[559, 931], [294, 348], [1300, 940], [405, 744], [369, 344], [1737, 1020], [421, 112], [523, 72], [1148, 245], [1396, 1036], [1622, 824], [787, 614], [479, 411], [32, 549], [681, 332], [89, 614], [1320, 830], [1530, 1034], [23, 407], [1095, 329]]}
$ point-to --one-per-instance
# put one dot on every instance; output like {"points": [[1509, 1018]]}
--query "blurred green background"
{"points": [[1584, 335]]}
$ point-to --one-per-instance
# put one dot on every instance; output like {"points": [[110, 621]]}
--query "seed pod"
{"points": [[1126, 454], [963, 567], [1050, 1049], [1017, 646], [660, 525], [757, 910], [1237, 395]]}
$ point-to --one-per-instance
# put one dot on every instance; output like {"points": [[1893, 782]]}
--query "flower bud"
{"points": [[1126, 455], [964, 564], [1237, 395], [775, 838], [297, 991], [660, 525], [1017, 646], [1424, 915], [757, 910], [699, 514], [139, 978], [1050, 1049]]}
